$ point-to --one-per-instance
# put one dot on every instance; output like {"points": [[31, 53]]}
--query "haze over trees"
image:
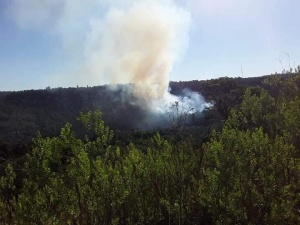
{"points": [[237, 163]]}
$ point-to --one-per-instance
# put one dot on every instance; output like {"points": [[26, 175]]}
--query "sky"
{"points": [[48, 42]]}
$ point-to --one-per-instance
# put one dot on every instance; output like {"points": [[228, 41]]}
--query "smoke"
{"points": [[138, 45], [119, 42]]}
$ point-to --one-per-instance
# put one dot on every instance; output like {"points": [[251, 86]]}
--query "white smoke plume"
{"points": [[139, 45], [127, 41]]}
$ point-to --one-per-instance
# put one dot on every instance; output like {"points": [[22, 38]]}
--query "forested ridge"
{"points": [[23, 113], [237, 163]]}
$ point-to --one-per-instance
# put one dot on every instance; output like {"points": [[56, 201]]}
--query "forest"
{"points": [[83, 156]]}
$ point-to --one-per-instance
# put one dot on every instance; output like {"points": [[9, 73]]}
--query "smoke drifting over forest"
{"points": [[136, 42], [139, 45]]}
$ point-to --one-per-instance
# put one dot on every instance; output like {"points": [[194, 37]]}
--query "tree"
{"points": [[252, 165]]}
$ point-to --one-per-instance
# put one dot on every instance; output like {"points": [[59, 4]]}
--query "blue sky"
{"points": [[42, 42]]}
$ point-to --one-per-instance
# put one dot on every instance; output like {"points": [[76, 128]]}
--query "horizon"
{"points": [[116, 84]]}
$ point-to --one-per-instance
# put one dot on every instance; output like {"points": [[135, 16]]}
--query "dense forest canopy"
{"points": [[23, 113], [235, 163]]}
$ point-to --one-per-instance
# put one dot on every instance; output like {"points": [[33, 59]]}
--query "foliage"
{"points": [[248, 172], [252, 165], [66, 180]]}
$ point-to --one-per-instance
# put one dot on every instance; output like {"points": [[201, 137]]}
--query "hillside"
{"points": [[23, 113], [236, 163]]}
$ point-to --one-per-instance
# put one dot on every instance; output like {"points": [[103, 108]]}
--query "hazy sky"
{"points": [[44, 42]]}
